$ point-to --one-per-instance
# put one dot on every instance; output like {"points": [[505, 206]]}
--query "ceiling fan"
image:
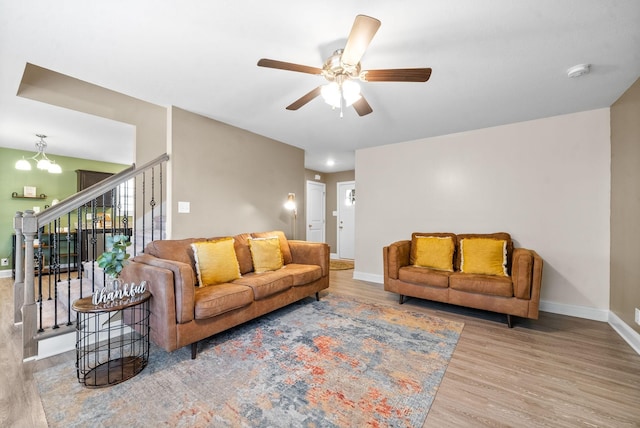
{"points": [[343, 67]]}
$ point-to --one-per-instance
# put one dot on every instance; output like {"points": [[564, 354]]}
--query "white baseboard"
{"points": [[5, 273], [630, 336], [369, 277], [56, 345], [575, 311]]}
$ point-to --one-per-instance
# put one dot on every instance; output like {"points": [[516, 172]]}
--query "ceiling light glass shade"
{"points": [[331, 94], [23, 165], [54, 168], [350, 92], [44, 164]]}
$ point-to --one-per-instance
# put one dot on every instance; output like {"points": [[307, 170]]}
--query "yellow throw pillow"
{"points": [[483, 256], [266, 254], [435, 252], [216, 261]]}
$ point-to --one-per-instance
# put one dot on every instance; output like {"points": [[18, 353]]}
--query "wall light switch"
{"points": [[184, 207], [637, 316], [335, 213]]}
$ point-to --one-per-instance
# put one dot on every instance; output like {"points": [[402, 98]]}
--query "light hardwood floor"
{"points": [[557, 371]]}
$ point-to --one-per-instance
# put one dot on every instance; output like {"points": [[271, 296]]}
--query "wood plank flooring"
{"points": [[557, 371]]}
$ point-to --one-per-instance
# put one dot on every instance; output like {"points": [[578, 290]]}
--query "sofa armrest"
{"points": [[311, 253], [526, 272], [397, 257], [177, 289]]}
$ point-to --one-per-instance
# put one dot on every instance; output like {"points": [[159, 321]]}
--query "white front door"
{"points": [[346, 219], [315, 211]]}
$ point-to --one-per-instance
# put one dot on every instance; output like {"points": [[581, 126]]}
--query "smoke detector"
{"points": [[578, 70]]}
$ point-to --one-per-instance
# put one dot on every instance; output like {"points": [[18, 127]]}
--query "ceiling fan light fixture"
{"points": [[334, 92], [331, 94], [350, 92]]}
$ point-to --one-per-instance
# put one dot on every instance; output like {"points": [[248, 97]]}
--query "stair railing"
{"points": [[66, 238]]}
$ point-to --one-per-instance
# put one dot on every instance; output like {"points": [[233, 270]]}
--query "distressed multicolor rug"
{"points": [[331, 363]]}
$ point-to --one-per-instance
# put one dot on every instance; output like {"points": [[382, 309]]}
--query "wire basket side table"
{"points": [[112, 340]]}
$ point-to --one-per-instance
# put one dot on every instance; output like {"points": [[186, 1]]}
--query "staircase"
{"points": [[75, 232]]}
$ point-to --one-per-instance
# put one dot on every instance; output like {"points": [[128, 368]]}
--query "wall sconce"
{"points": [[291, 206]]}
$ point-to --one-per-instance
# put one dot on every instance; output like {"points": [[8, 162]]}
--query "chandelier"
{"points": [[40, 158]]}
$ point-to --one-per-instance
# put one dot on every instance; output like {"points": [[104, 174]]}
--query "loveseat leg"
{"points": [[317, 296], [194, 350], [509, 323], [401, 299]]}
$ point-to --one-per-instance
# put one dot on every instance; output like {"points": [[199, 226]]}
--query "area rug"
{"points": [[340, 264], [332, 363]]}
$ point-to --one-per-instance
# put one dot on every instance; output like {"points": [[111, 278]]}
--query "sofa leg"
{"points": [[509, 322], [401, 299], [194, 350], [317, 296]]}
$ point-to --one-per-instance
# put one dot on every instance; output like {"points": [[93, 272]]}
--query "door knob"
{"points": [[310, 226]]}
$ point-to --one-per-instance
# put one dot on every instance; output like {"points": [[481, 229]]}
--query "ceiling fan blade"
{"points": [[281, 65], [362, 107], [396, 75], [362, 32], [304, 99]]}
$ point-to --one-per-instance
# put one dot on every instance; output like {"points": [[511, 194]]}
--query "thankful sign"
{"points": [[128, 291]]}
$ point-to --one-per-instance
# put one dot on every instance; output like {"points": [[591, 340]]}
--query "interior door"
{"points": [[346, 219], [315, 211]]}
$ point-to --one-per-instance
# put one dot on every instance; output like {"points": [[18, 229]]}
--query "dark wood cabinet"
{"points": [[89, 178]]}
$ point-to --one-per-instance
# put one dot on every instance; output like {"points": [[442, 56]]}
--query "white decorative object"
{"points": [[128, 291], [29, 191]]}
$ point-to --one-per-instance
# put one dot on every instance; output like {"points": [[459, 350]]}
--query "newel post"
{"points": [[29, 309], [18, 285]]}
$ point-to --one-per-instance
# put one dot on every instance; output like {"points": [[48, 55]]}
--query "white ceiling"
{"points": [[494, 62]]}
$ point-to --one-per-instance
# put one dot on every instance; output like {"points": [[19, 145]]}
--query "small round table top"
{"points": [[86, 305]]}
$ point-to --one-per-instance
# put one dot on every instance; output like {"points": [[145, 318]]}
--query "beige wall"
{"points": [[236, 181], [547, 182], [625, 205], [58, 89]]}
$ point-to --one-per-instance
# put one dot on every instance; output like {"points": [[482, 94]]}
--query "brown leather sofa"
{"points": [[517, 294], [182, 313]]}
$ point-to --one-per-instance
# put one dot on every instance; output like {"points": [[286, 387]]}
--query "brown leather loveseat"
{"points": [[184, 311], [432, 266]]}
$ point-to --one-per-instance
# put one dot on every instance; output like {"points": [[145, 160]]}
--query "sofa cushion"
{"points": [[425, 276], [482, 284], [483, 256], [174, 249], [216, 261], [265, 254], [212, 301], [497, 235], [284, 244], [416, 235], [243, 253], [303, 274], [266, 284], [435, 252]]}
